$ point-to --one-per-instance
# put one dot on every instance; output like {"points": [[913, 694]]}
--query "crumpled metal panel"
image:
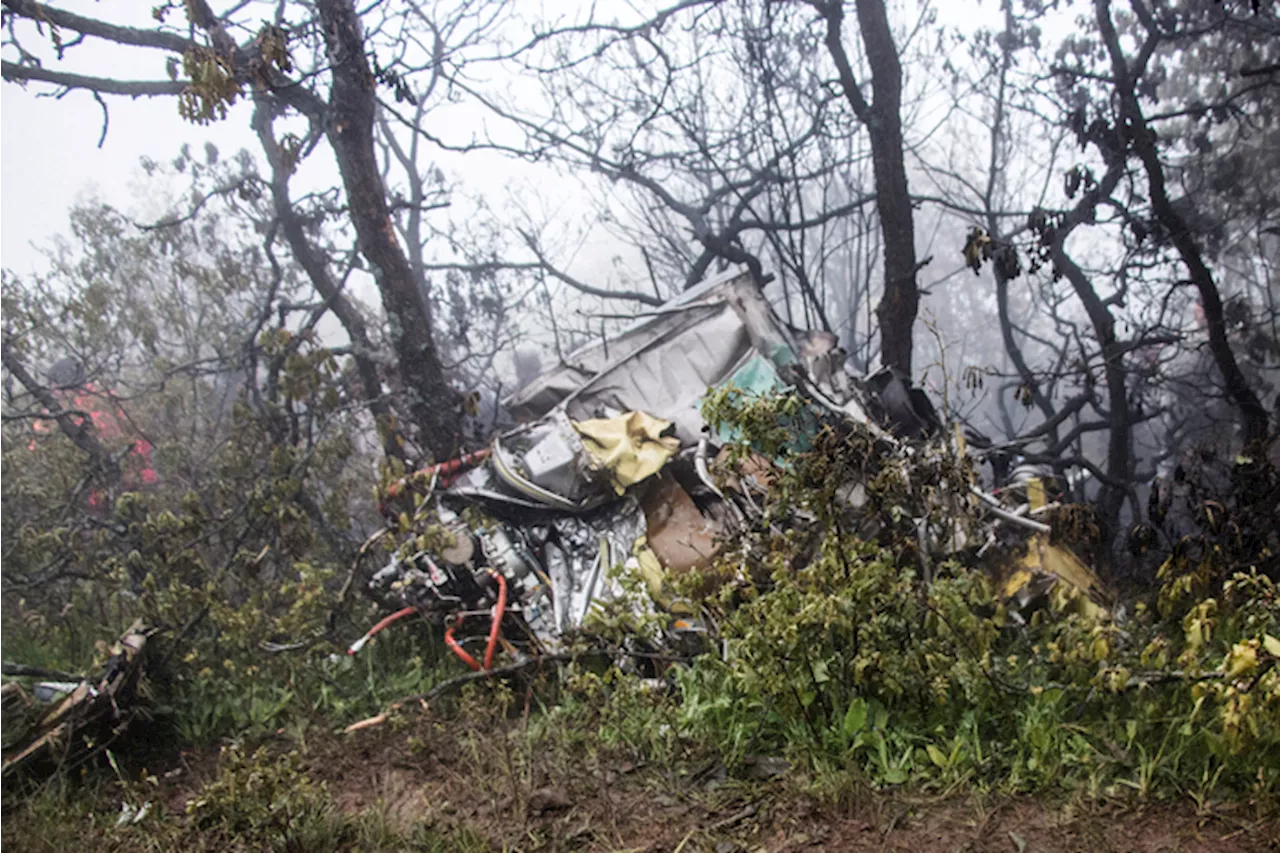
{"points": [[700, 315], [664, 364], [588, 549], [550, 455], [548, 390], [668, 377]]}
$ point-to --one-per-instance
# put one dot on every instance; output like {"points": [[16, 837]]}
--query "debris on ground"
{"points": [[67, 721], [613, 465]]}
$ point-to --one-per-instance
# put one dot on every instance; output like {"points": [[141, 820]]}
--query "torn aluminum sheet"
{"points": [[1041, 571], [664, 364], [583, 556], [555, 566], [694, 315], [614, 415], [668, 377], [105, 700]]}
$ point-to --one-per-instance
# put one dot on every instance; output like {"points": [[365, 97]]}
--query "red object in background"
{"points": [[111, 425]]}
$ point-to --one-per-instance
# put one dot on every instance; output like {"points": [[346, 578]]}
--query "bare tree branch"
{"points": [[104, 85]]}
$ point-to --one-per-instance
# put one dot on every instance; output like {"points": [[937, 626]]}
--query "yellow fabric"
{"points": [[651, 571], [630, 447]]}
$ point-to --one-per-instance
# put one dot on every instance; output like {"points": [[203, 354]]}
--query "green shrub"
{"points": [[263, 802], [838, 654]]}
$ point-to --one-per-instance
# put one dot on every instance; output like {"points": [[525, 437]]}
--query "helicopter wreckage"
{"points": [[614, 473]]}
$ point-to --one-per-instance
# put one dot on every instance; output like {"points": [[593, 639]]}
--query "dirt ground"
{"points": [[412, 774]]}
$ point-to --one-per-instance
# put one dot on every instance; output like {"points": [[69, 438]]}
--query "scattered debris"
{"points": [[376, 720], [86, 715], [546, 800], [763, 767], [131, 814], [613, 466]]}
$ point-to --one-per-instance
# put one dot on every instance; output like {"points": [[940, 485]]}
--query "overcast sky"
{"points": [[51, 159], [49, 154]]}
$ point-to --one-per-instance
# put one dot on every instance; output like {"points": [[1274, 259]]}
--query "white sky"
{"points": [[50, 159]]}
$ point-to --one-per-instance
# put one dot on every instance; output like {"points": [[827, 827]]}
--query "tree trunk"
{"points": [[1134, 124], [316, 267], [899, 304], [1119, 436], [432, 402]]}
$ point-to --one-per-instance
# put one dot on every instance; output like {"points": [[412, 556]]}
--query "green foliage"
{"points": [[838, 655], [257, 800], [843, 641], [874, 677], [263, 802], [765, 423], [216, 83], [244, 540]]}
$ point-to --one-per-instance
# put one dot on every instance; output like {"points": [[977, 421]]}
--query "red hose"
{"points": [[499, 610], [446, 470], [449, 469], [495, 630], [399, 614], [457, 648]]}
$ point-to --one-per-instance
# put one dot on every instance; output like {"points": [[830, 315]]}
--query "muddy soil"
{"points": [[416, 772], [470, 782]]}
